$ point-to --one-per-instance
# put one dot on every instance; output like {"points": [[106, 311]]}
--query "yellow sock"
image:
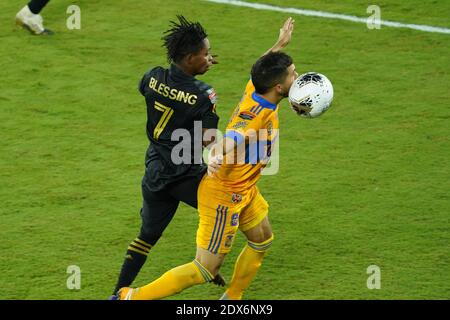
{"points": [[174, 281], [246, 267]]}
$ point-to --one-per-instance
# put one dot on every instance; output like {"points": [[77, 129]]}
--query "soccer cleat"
{"points": [[219, 280], [113, 297], [125, 293], [32, 22]]}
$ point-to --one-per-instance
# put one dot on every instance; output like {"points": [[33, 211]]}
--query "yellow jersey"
{"points": [[254, 128]]}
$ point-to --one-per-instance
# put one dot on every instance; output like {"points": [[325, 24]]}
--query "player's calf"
{"points": [[170, 283], [246, 267]]}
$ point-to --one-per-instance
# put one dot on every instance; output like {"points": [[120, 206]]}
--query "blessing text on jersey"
{"points": [[172, 94]]}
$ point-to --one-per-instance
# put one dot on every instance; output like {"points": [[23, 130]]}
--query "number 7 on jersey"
{"points": [[167, 114]]}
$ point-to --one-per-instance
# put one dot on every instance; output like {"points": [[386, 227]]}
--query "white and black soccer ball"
{"points": [[311, 94]]}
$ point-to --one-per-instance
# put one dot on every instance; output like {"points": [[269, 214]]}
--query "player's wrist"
{"points": [[279, 45]]}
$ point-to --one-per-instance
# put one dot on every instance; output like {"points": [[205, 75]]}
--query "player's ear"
{"points": [[279, 88], [189, 58]]}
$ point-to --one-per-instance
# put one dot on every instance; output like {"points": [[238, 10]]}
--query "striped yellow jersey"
{"points": [[254, 128]]}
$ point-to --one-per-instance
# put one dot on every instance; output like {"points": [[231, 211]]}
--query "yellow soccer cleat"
{"points": [[125, 293]]}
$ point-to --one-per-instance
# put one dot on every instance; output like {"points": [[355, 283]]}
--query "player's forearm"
{"points": [[275, 48], [225, 147], [284, 37], [217, 154]]}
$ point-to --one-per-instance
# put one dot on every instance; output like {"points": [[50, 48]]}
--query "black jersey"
{"points": [[174, 100]]}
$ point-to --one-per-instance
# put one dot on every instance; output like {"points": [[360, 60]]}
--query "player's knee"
{"points": [[213, 268], [263, 245], [260, 233], [210, 262], [208, 272]]}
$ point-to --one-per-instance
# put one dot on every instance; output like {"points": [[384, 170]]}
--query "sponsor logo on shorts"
{"points": [[234, 219], [236, 198], [229, 240]]}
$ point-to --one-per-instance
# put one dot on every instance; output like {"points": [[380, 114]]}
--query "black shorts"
{"points": [[159, 207]]}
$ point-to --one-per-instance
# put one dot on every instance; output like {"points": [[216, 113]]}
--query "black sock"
{"points": [[134, 260], [37, 5]]}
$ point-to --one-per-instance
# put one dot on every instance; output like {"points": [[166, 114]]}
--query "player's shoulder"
{"points": [[154, 71], [249, 87], [205, 91], [253, 109]]}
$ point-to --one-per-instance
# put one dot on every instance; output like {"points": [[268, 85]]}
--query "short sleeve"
{"points": [[208, 115]]}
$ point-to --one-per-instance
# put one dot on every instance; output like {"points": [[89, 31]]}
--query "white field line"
{"points": [[329, 15]]}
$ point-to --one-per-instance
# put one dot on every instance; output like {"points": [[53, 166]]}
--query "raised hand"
{"points": [[285, 36], [286, 33]]}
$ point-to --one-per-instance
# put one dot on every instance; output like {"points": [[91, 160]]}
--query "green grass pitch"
{"points": [[366, 184]]}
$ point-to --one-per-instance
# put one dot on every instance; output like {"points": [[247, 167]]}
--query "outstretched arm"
{"points": [[218, 152], [284, 38], [227, 145]]}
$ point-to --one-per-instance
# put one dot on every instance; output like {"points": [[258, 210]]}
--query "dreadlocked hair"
{"points": [[183, 38]]}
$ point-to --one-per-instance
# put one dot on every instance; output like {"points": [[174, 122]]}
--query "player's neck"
{"points": [[272, 97], [185, 69]]}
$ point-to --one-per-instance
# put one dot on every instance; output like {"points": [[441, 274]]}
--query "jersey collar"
{"points": [[263, 102], [178, 73]]}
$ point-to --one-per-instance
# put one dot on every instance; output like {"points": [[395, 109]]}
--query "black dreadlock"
{"points": [[183, 38]]}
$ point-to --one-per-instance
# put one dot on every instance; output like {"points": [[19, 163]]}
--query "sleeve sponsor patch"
{"points": [[212, 95]]}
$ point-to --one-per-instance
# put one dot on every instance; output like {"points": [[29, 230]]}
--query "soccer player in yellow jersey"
{"points": [[228, 198]]}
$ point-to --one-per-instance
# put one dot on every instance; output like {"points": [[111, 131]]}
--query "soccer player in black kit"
{"points": [[175, 100]]}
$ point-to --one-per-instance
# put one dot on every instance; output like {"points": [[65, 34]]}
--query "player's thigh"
{"points": [[186, 190], [254, 221], [158, 209], [261, 232], [218, 218]]}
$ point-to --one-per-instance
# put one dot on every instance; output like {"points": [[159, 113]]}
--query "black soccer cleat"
{"points": [[219, 280]]}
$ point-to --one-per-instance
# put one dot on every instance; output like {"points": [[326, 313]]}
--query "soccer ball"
{"points": [[311, 95]]}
